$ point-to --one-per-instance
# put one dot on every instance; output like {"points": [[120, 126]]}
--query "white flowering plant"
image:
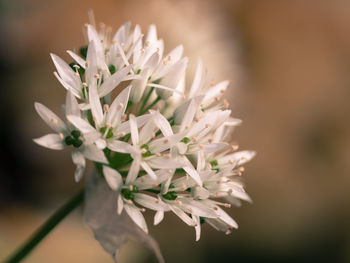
{"points": [[158, 145]]}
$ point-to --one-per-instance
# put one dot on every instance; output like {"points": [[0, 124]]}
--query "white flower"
{"points": [[83, 146]]}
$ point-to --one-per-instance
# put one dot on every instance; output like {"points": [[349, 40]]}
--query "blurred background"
{"points": [[289, 66]]}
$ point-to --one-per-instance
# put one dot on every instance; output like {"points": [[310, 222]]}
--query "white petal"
{"points": [[113, 81], [50, 118], [95, 104], [133, 129], [238, 158], [136, 36], [77, 59], [65, 71], [79, 161], [172, 78], [197, 227], [113, 178], [198, 208], [183, 216], [120, 204], [197, 79], [133, 170], [81, 124], [68, 87], [51, 141], [164, 143], [136, 216], [200, 192], [158, 217], [192, 172], [149, 170], [151, 36], [226, 218], [118, 107], [72, 106], [162, 123], [214, 92], [166, 163], [151, 202], [120, 146], [93, 153]]}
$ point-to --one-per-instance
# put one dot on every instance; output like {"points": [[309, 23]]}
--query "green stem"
{"points": [[151, 105], [46, 228], [144, 102]]}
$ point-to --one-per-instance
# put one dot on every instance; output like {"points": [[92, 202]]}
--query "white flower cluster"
{"points": [[159, 145]]}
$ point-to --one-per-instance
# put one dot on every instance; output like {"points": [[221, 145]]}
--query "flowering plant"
{"points": [[158, 145]]}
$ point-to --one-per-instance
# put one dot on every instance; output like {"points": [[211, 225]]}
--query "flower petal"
{"points": [[118, 107], [79, 161], [136, 216], [151, 202], [113, 81], [93, 153], [133, 130], [158, 217], [95, 104], [72, 106], [51, 141], [81, 124], [113, 178], [120, 146], [50, 118]]}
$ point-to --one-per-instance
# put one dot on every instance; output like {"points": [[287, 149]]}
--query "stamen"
{"points": [[184, 187], [187, 176], [121, 134], [201, 147], [85, 84], [97, 76], [143, 151], [106, 107], [211, 140], [165, 62], [217, 98], [120, 106], [228, 232], [229, 191], [169, 57], [158, 154], [194, 139], [129, 201], [108, 125], [187, 127], [241, 169], [166, 141], [212, 83], [191, 210], [76, 66], [207, 125], [142, 210], [131, 187], [147, 43], [77, 74], [61, 135], [178, 202], [234, 147], [227, 205], [54, 121], [226, 103]]}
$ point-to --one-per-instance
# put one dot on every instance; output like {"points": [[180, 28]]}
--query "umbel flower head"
{"points": [[157, 146]]}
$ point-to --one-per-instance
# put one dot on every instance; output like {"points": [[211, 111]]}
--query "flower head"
{"points": [[159, 145]]}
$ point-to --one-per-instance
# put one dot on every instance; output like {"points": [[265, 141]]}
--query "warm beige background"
{"points": [[289, 66]]}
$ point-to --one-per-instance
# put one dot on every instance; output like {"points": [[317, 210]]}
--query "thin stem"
{"points": [[151, 105], [46, 228], [144, 102]]}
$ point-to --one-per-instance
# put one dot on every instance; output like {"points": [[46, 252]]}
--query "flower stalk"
{"points": [[46, 228]]}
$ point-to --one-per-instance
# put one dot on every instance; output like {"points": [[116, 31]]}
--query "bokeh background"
{"points": [[289, 66]]}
